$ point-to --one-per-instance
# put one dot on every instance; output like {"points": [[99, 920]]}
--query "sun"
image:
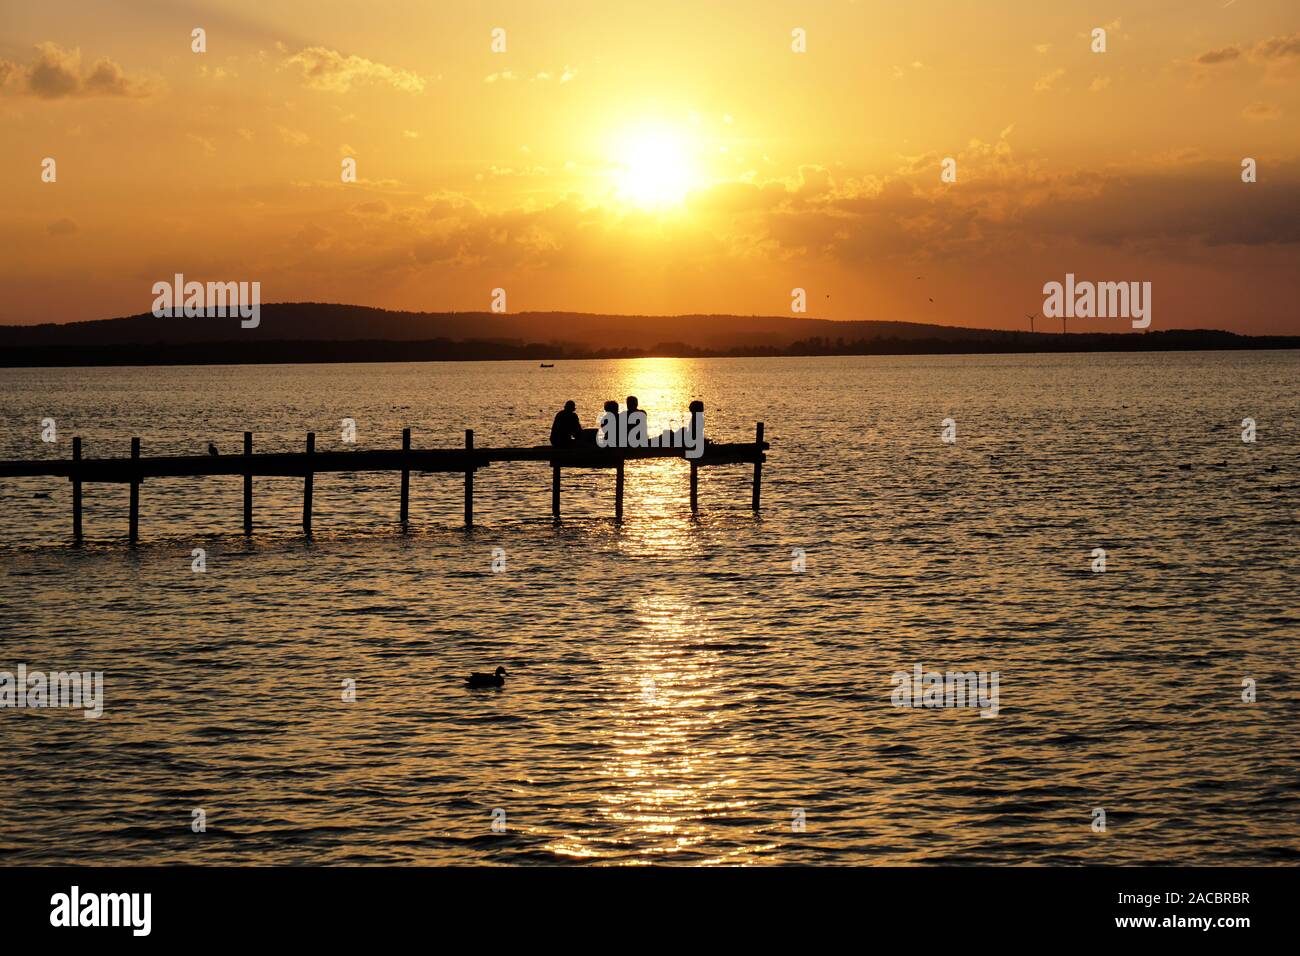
{"points": [[654, 167]]}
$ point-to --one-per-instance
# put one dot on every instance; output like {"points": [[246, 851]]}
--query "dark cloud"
{"points": [[107, 79], [57, 74], [1200, 205], [63, 227], [1277, 48], [1219, 56]]}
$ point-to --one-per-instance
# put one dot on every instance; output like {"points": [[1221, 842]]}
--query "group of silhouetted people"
{"points": [[628, 428]]}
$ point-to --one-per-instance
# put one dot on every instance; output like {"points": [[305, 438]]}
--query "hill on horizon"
{"points": [[314, 321]]}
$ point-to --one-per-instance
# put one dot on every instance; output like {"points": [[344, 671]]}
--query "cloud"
{"points": [[63, 227], [1007, 210], [504, 172], [1261, 111], [1151, 208], [1047, 81], [543, 76], [57, 74], [1275, 51], [1099, 84], [203, 142], [1218, 56], [330, 70], [1278, 48], [293, 137]]}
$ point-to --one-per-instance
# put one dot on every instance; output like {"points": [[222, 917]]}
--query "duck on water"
{"points": [[495, 679]]}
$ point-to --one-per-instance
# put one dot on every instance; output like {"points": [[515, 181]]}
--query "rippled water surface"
{"points": [[677, 692]]}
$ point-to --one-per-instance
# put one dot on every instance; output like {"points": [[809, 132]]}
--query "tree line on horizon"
{"points": [[275, 352]]}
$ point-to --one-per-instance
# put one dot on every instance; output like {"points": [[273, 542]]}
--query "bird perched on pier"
{"points": [[496, 679], [212, 449]]}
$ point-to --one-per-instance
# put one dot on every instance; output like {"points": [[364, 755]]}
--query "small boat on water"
{"points": [[551, 365]]}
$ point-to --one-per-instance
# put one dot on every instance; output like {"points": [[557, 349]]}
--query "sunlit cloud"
{"points": [[330, 70]]}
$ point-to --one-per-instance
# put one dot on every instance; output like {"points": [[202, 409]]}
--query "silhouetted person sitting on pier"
{"points": [[696, 421], [690, 435], [212, 449], [567, 428], [607, 429], [637, 433]]}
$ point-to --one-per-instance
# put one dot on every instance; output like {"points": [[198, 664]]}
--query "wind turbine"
{"points": [[1031, 322]]}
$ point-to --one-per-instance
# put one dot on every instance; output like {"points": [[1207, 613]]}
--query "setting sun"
{"points": [[655, 167]]}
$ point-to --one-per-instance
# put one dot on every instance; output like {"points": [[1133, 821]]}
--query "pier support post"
{"points": [[469, 481], [406, 476], [555, 491], [618, 493], [134, 533], [695, 488], [758, 466], [306, 486], [248, 483], [76, 490]]}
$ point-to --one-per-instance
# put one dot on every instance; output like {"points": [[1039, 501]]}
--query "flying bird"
{"points": [[496, 679]]}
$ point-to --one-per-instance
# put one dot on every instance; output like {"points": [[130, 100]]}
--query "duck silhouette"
{"points": [[496, 679]]}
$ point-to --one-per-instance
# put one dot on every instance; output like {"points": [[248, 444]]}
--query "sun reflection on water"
{"points": [[668, 772]]}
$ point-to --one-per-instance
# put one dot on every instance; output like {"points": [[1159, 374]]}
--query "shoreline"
{"points": [[366, 351]]}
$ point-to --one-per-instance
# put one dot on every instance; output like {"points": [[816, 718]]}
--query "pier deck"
{"points": [[133, 471]]}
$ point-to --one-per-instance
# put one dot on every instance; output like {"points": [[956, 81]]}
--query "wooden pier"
{"points": [[134, 470]]}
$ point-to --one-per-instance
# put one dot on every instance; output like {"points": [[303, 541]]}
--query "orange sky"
{"points": [[675, 156]]}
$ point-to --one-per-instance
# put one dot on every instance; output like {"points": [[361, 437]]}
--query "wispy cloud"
{"points": [[1261, 111], [544, 76], [330, 70], [1047, 81], [1211, 57]]}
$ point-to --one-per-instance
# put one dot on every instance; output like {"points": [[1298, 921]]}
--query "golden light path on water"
{"points": [[662, 782]]}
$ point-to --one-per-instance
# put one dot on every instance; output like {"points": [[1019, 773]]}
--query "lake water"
{"points": [[677, 692]]}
